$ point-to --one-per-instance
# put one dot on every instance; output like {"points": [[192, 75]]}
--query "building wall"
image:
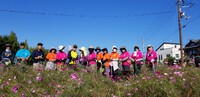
{"points": [[168, 50]]}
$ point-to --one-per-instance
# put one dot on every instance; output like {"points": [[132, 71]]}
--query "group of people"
{"points": [[93, 59]]}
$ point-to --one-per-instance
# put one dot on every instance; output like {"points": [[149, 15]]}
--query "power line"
{"points": [[159, 18], [82, 16], [191, 21], [175, 32]]}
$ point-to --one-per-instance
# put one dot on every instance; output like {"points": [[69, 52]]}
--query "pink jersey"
{"points": [[126, 58], [151, 56], [92, 58], [61, 56], [137, 56]]}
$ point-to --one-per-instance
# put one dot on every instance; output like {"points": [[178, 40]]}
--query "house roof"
{"points": [[192, 44], [166, 43]]}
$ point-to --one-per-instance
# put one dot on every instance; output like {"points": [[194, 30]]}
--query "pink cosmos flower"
{"points": [[7, 82], [29, 82], [85, 71], [144, 78], [118, 77], [39, 69], [174, 80], [23, 95], [131, 76], [62, 69], [159, 76], [129, 94], [136, 89], [178, 73], [171, 77], [58, 92], [73, 76], [148, 77], [157, 73], [58, 85], [15, 88], [176, 67], [39, 78], [114, 95]]}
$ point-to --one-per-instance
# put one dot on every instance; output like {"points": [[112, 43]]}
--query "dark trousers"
{"points": [[137, 68], [98, 66]]}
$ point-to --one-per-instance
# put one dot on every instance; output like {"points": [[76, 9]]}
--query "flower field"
{"points": [[167, 82]]}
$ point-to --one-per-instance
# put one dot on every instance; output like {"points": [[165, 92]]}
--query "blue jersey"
{"points": [[23, 53]]}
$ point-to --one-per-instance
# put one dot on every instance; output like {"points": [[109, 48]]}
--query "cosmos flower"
{"points": [[178, 73], [58, 85], [73, 76], [39, 78], [39, 69], [15, 88], [29, 82]]}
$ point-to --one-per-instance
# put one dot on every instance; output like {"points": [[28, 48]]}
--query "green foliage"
{"points": [[26, 44], [168, 82], [12, 39], [170, 60]]}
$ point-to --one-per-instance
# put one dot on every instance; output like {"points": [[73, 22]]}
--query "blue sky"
{"points": [[101, 23]]}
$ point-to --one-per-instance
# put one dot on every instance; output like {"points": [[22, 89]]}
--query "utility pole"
{"points": [[180, 28]]}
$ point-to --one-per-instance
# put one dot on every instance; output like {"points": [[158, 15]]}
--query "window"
{"points": [[177, 55], [168, 55], [161, 57]]}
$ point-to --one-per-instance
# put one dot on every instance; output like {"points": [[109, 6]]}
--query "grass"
{"points": [[168, 82]]}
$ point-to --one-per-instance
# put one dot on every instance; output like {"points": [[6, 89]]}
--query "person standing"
{"points": [[73, 57], [99, 56], [38, 57], [106, 62], [136, 58], [151, 58], [114, 57], [125, 60], [61, 58], [51, 58], [92, 59], [83, 56]]}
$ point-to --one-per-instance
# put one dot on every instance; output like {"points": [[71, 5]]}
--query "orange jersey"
{"points": [[106, 57], [114, 55], [99, 56], [51, 56]]}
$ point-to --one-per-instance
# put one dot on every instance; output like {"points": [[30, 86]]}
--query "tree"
{"points": [[26, 44], [12, 39], [170, 60]]}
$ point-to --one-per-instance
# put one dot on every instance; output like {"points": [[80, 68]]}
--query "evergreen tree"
{"points": [[12, 39], [26, 44]]}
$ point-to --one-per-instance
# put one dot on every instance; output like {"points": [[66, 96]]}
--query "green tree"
{"points": [[26, 44], [3, 41], [12, 39], [170, 60]]}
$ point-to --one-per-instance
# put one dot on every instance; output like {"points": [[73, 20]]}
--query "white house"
{"points": [[168, 49]]}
